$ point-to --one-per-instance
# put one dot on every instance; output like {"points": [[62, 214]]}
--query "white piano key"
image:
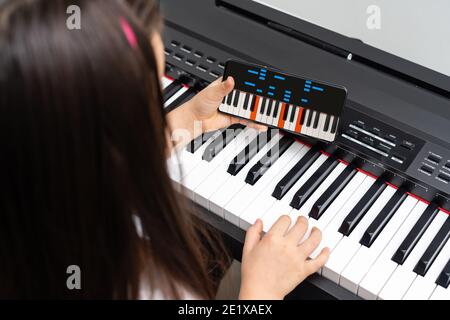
{"points": [[258, 112], [383, 267], [314, 132], [205, 168], [236, 207], [264, 200], [422, 287], [277, 117], [176, 96], [241, 110], [165, 82], [297, 111], [235, 110], [335, 208], [247, 112], [322, 133], [286, 125], [365, 257], [440, 293], [403, 276], [220, 175], [282, 207], [348, 246], [305, 127], [235, 184]]}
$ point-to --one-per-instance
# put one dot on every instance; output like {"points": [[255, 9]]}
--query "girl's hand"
{"points": [[274, 265], [204, 107]]}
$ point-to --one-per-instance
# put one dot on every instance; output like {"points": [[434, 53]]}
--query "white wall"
{"points": [[417, 30]]}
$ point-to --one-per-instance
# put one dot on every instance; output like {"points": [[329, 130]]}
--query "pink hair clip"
{"points": [[129, 33]]}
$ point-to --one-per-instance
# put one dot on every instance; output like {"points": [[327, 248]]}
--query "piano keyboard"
{"points": [[285, 116], [287, 102], [385, 242]]}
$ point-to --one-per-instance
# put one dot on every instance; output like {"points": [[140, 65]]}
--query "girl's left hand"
{"points": [[204, 107]]}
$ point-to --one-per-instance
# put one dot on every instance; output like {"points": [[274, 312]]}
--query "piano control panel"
{"points": [[379, 140]]}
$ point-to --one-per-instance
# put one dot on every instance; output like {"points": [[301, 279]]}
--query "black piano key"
{"points": [[332, 192], [334, 124], [250, 150], [361, 208], [230, 98], [303, 194], [294, 109], [327, 123], [309, 120], [269, 108], [316, 120], [252, 103], [185, 97], [383, 217], [295, 173], [195, 144], [263, 105], [275, 109], [302, 119], [246, 100], [415, 234], [236, 98], [171, 90], [258, 170], [286, 112], [218, 144], [433, 249], [444, 277]]}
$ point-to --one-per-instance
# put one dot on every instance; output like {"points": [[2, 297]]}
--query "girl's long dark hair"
{"points": [[82, 161]]}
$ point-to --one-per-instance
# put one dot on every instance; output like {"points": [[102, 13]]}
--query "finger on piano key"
{"points": [[348, 246], [332, 192], [403, 276], [306, 207], [264, 200], [220, 175], [415, 233], [223, 195], [362, 207], [295, 173], [433, 249], [422, 287], [365, 257], [383, 218], [381, 270], [236, 207], [340, 208], [302, 195]]}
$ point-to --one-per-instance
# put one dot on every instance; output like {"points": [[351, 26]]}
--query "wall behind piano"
{"points": [[415, 30]]}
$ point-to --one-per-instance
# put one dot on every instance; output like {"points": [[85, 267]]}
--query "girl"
{"points": [[83, 177]]}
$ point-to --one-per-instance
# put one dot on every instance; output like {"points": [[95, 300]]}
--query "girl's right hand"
{"points": [[272, 266]]}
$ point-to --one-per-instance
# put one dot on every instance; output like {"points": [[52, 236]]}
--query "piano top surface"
{"points": [[411, 107]]}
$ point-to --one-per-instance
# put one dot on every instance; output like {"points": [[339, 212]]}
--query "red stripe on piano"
{"points": [[393, 186], [325, 153], [298, 126], [344, 162], [281, 121], [444, 210], [367, 173], [170, 78], [255, 109], [418, 198]]}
